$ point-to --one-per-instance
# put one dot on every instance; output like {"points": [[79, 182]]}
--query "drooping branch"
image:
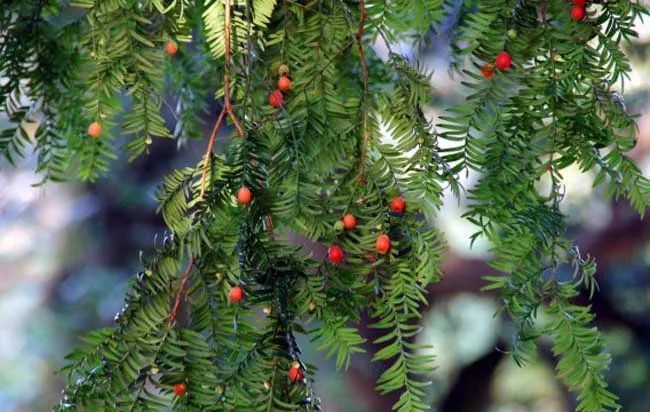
{"points": [[364, 78], [227, 106]]}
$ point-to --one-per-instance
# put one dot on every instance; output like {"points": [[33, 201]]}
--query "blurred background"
{"points": [[67, 251]]}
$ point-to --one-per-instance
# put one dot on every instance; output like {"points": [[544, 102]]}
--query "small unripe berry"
{"points": [[244, 195], [283, 70], [577, 13], [180, 389], [383, 244], [171, 47], [335, 254], [295, 373], [512, 34], [349, 222], [503, 61], [284, 83], [339, 226], [236, 294], [487, 70], [275, 98], [95, 130], [398, 206]]}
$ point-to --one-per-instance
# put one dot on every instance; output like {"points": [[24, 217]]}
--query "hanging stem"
{"points": [[181, 289], [227, 104], [364, 77], [226, 76], [208, 152]]}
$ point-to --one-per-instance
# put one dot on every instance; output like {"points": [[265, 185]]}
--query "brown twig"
{"points": [[364, 76], [213, 137], [269, 225], [181, 289], [227, 103]]}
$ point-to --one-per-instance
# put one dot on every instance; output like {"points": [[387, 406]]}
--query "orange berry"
{"points": [[503, 61], [180, 389], [383, 244], [398, 205], [487, 70], [284, 83], [236, 294], [244, 195], [349, 222], [171, 48], [335, 254], [577, 13], [295, 373], [275, 98], [95, 130]]}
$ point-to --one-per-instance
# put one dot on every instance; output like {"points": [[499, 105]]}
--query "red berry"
{"points": [[95, 130], [180, 389], [275, 98], [580, 3], [335, 254], [349, 222], [295, 373], [284, 83], [398, 205], [244, 195], [171, 48], [236, 294], [549, 168], [577, 13], [487, 70], [383, 244], [503, 61]]}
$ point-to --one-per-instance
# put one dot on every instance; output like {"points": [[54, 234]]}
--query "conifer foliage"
{"points": [[330, 142]]}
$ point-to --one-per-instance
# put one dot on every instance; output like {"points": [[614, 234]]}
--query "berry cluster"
{"points": [[276, 98], [244, 197], [95, 128], [335, 253], [502, 62]]}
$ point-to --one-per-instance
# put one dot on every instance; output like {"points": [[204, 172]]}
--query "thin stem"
{"points": [[226, 77], [181, 289], [208, 153], [364, 77], [227, 104]]}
